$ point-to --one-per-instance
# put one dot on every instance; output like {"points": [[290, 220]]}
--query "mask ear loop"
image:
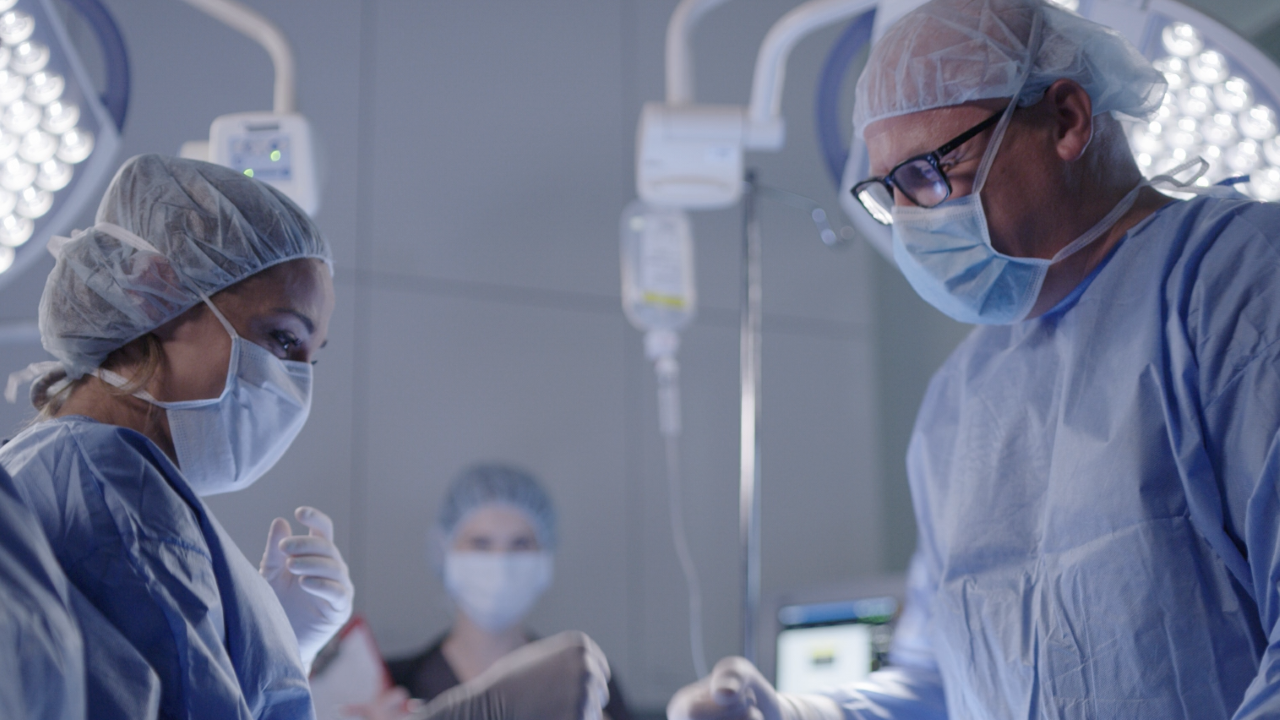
{"points": [[226, 324], [997, 135]]}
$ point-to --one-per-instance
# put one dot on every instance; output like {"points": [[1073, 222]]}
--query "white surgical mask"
{"points": [[226, 443], [497, 589]]}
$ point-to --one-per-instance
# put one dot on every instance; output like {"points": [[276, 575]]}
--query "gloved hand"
{"points": [[735, 690], [564, 677], [310, 578], [392, 704]]}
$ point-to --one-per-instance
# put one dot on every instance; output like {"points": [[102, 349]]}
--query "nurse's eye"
{"points": [[286, 340]]}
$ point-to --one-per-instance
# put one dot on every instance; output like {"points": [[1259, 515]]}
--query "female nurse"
{"points": [[494, 542], [184, 324]]}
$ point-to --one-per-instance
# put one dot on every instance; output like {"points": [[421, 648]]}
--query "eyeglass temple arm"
{"points": [[968, 135]]}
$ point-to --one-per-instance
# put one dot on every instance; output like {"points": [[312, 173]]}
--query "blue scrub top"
{"points": [[1096, 492], [42, 665], [174, 613]]}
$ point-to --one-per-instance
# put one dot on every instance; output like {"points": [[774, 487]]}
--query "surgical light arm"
{"points": [[690, 155], [765, 127], [680, 85], [259, 29]]}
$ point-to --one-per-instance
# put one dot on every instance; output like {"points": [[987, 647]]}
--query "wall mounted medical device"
{"points": [[277, 146], [1222, 101], [58, 135]]}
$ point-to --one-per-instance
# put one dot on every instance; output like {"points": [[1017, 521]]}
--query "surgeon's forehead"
{"points": [[894, 139]]}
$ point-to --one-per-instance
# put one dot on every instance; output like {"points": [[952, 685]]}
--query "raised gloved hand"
{"points": [[735, 690], [310, 578], [564, 677]]}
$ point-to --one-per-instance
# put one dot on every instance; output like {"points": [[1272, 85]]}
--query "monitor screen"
{"points": [[830, 644]]}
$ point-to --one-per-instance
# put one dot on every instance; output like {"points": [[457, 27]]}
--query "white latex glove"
{"points": [[310, 578], [735, 690]]}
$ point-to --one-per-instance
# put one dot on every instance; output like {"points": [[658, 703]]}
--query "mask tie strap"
{"points": [[226, 324], [1169, 178], [29, 375], [126, 237], [120, 382], [1103, 225], [997, 135]]}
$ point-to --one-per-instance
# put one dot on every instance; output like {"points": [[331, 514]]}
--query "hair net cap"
{"points": [[486, 484], [169, 232], [949, 52]]}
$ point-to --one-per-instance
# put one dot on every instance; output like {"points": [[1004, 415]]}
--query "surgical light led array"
{"points": [[41, 141], [1210, 112]]}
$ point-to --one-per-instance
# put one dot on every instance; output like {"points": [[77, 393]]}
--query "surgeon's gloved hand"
{"points": [[735, 690], [310, 578], [564, 677]]}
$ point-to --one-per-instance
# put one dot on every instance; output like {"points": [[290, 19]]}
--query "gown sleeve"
{"points": [[911, 687], [1230, 447], [1249, 462], [42, 669], [173, 615]]}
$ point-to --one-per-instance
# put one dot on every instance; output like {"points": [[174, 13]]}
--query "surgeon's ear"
{"points": [[1073, 118]]}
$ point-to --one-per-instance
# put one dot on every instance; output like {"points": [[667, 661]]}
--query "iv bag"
{"points": [[657, 267]]}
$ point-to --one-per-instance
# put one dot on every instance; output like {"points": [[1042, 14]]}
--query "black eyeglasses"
{"points": [[920, 178]]}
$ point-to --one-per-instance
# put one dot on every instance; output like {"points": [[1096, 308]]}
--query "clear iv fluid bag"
{"points": [[657, 267]]}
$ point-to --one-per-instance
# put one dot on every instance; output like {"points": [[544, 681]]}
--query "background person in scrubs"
{"points": [[1094, 470], [494, 544]]}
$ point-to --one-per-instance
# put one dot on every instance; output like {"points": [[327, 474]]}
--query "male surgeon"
{"points": [[1094, 470]]}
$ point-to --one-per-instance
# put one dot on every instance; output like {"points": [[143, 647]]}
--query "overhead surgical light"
{"points": [[58, 138], [1221, 104]]}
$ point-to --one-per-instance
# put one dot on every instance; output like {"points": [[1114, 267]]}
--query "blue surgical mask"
{"points": [[946, 254]]}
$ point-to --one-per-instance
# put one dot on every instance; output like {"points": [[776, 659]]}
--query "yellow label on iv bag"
{"points": [[674, 302]]}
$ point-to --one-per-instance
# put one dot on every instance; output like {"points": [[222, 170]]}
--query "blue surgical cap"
{"points": [[168, 233], [485, 484], [949, 52]]}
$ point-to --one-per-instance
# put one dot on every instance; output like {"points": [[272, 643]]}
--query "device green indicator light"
{"points": [[275, 156], [248, 171]]}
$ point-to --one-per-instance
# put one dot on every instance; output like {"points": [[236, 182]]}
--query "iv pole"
{"points": [[762, 129], [749, 473]]}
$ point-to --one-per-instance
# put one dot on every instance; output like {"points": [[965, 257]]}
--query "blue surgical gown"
{"points": [[42, 663], [1097, 495], [163, 587]]}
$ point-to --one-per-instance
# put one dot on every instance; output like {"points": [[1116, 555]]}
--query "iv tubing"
{"points": [[669, 414], [258, 28]]}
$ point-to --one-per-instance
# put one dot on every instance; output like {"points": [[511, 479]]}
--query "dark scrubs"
{"points": [[428, 674]]}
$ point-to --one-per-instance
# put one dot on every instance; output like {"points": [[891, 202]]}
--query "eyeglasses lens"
{"points": [[922, 182], [877, 199]]}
